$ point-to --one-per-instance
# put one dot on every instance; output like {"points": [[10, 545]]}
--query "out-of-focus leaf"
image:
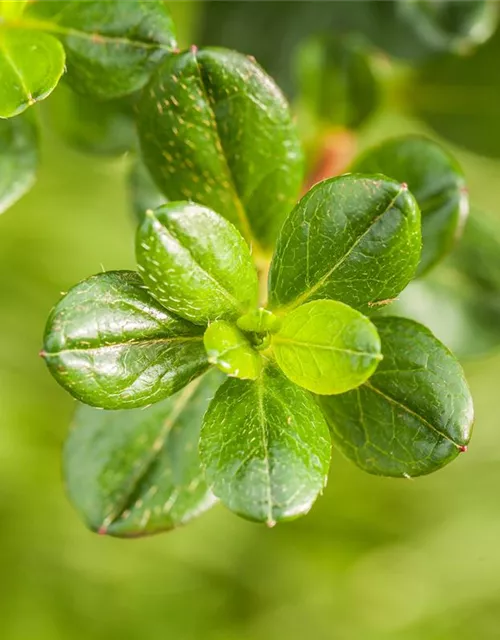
{"points": [[31, 64], [414, 415], [111, 46], [18, 159], [327, 347], [215, 129], [435, 179], [137, 472], [144, 193], [229, 349], [196, 263], [112, 345], [451, 25], [265, 448], [355, 238]]}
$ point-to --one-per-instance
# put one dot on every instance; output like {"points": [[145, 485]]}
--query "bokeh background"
{"points": [[376, 559]]}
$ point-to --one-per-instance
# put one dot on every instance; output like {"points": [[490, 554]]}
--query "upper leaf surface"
{"points": [[112, 345], [327, 347], [437, 182], [231, 351], [196, 263], [18, 159], [31, 64], [112, 46], [265, 447], [414, 414], [215, 129], [137, 472], [355, 238]]}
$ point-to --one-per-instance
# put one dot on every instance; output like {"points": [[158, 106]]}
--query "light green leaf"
{"points": [[265, 448], [112, 345], [112, 46], [435, 179], [259, 321], [18, 159], [144, 193], [196, 263], [31, 64], [137, 472], [327, 347], [215, 129], [231, 352], [414, 415], [355, 238]]}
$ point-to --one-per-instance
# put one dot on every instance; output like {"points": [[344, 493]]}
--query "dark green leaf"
{"points": [[327, 347], [143, 191], [336, 81], [18, 159], [230, 350], [31, 64], [112, 345], [112, 46], [354, 238], [452, 25], [437, 182], [196, 263], [265, 447], [215, 129], [137, 472], [414, 415]]}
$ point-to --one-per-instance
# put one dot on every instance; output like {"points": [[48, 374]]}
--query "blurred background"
{"points": [[376, 559]]}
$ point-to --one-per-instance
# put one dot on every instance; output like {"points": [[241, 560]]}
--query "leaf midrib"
{"points": [[113, 345], [305, 345]]}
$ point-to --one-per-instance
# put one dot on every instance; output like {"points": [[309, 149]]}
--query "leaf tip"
{"points": [[102, 531], [42, 353], [463, 448], [270, 523], [194, 49], [404, 186]]}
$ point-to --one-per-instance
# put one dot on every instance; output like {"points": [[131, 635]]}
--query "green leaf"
{"points": [[12, 8], [112, 345], [451, 25], [231, 352], [437, 182], [327, 347], [414, 415], [265, 448], [336, 81], [101, 128], [354, 238], [137, 472], [112, 46], [31, 64], [215, 129], [18, 159], [259, 321], [144, 193], [196, 263]]}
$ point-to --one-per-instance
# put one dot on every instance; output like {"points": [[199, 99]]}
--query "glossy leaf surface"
{"points": [[112, 345], [435, 179], [327, 347], [112, 47], [18, 159], [265, 447], [215, 129], [137, 472], [354, 238], [414, 415], [31, 64], [231, 352], [196, 263]]}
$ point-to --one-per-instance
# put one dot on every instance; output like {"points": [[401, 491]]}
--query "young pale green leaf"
{"points": [[137, 472], [18, 159], [337, 84], [196, 263], [437, 182], [12, 8], [354, 238], [112, 345], [143, 192], [259, 321], [265, 447], [414, 415], [31, 64], [215, 129], [231, 352], [327, 347], [112, 46]]}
